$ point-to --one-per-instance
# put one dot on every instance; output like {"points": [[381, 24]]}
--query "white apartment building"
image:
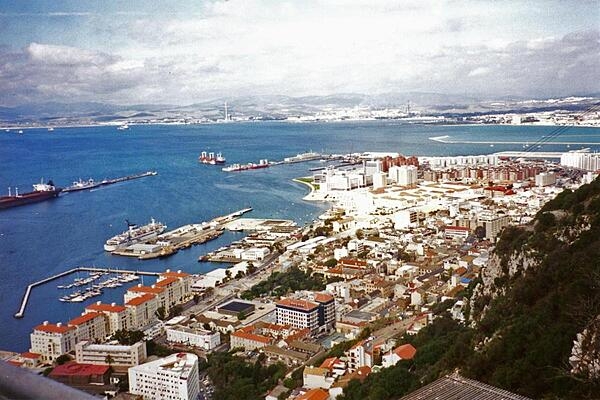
{"points": [[587, 161], [171, 378], [121, 355], [116, 317], [298, 313], [52, 340], [193, 335], [493, 223], [545, 179], [404, 175], [143, 309], [90, 326]]}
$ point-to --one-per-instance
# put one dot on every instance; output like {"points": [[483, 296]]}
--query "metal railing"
{"points": [[19, 383]]}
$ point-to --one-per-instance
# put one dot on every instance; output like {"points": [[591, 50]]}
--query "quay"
{"points": [[21, 311], [183, 237], [530, 154]]}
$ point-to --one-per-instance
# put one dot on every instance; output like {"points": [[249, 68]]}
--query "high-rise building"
{"points": [[171, 378], [316, 312]]}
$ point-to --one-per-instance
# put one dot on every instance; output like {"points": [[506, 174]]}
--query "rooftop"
{"points": [[140, 299], [457, 387], [146, 289], [75, 369], [298, 304], [406, 351], [84, 318], [166, 281], [53, 328], [314, 394], [105, 307]]}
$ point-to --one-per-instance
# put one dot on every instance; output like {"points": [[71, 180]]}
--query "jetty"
{"points": [[91, 184], [185, 236], [21, 312]]}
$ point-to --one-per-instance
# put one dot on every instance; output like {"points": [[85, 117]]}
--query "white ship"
{"points": [[135, 234]]}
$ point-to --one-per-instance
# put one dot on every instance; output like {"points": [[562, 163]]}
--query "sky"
{"points": [[175, 52]]}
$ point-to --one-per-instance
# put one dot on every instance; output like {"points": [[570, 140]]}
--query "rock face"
{"points": [[585, 355], [496, 278]]}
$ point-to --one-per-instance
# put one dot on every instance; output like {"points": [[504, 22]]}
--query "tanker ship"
{"points": [[41, 191]]}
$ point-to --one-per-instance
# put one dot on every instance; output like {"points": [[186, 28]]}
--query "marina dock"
{"points": [[21, 312]]}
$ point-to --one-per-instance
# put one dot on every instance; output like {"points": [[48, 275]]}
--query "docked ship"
{"points": [[302, 157], [41, 191], [135, 234], [210, 158], [82, 185], [245, 167]]}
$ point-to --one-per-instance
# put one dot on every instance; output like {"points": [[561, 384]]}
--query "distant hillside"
{"points": [[280, 107]]}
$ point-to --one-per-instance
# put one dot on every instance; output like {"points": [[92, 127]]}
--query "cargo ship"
{"points": [[210, 158], [302, 157], [245, 167], [41, 191], [135, 234]]}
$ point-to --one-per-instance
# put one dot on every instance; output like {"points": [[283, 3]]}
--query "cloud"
{"points": [[251, 47]]}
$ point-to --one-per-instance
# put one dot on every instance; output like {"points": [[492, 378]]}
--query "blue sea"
{"points": [[42, 239]]}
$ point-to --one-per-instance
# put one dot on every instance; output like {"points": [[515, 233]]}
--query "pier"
{"points": [[106, 182], [30, 287], [171, 242]]}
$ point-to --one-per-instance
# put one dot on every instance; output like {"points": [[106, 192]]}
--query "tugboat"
{"points": [[41, 191], [209, 158]]}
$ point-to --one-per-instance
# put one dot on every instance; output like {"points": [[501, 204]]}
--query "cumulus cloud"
{"points": [[252, 47]]}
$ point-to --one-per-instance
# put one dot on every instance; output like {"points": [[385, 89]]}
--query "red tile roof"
{"points": [[314, 394], [74, 369], [298, 304], [167, 281], [405, 352], [84, 318], [251, 336], [30, 355], [136, 301], [323, 297], [329, 362], [105, 307], [146, 289], [53, 328]]}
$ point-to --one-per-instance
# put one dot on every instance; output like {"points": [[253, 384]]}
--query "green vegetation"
{"points": [[442, 346], [236, 379], [523, 341], [128, 338], [60, 360], [281, 283], [156, 349]]}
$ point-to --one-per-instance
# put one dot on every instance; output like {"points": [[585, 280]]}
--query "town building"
{"points": [[118, 355], [404, 352], [90, 326], [193, 334], [174, 377], [52, 340], [143, 309], [116, 317]]}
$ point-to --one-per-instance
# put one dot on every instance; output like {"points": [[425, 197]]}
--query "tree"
{"points": [[160, 313], [60, 360], [332, 262], [109, 360], [251, 268], [241, 316], [127, 338], [360, 234], [480, 232], [228, 274], [175, 311], [196, 298], [239, 275]]}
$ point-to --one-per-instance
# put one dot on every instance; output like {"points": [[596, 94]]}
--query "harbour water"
{"points": [[43, 239]]}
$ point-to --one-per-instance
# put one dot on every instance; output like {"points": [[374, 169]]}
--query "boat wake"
{"points": [[441, 139]]}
